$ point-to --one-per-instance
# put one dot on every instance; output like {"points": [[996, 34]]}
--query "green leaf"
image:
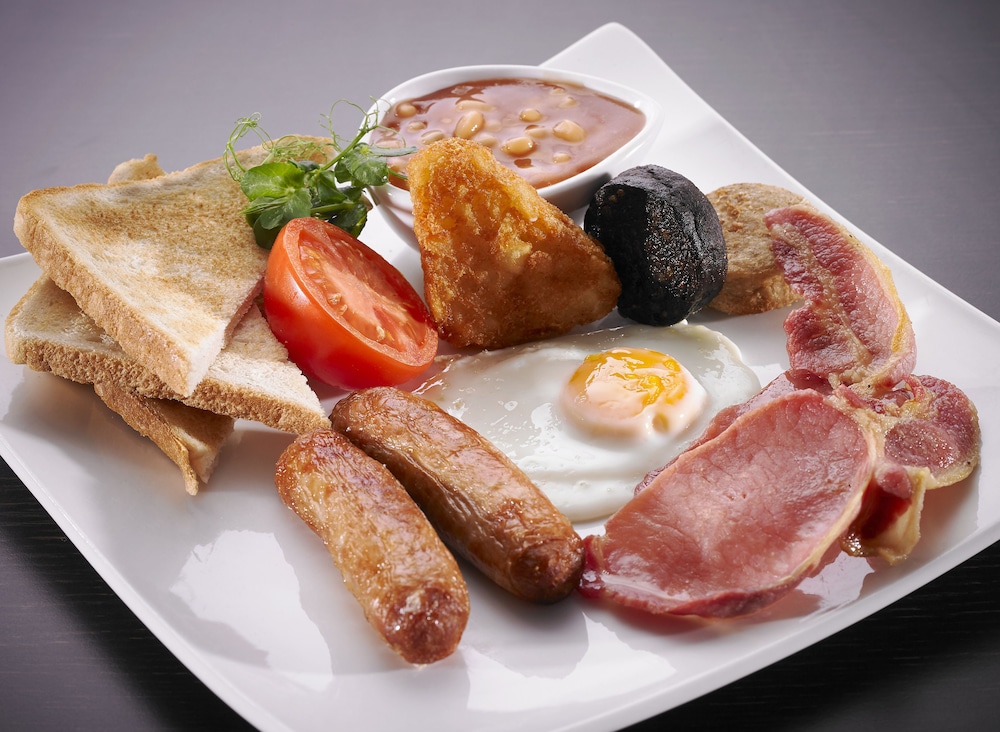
{"points": [[271, 218], [291, 184], [363, 168], [353, 220], [264, 237], [297, 205], [325, 189], [272, 180], [307, 166], [353, 193], [256, 206]]}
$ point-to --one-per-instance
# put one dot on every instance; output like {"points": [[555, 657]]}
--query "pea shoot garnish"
{"points": [[322, 178]]}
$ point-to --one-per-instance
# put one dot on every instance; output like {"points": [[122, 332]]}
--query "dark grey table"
{"points": [[888, 110]]}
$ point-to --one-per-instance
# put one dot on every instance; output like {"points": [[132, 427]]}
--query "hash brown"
{"points": [[501, 264]]}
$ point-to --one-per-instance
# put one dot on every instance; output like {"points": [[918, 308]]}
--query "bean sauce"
{"points": [[546, 131]]}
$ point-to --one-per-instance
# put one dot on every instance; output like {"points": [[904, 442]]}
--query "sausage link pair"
{"points": [[483, 506], [392, 561]]}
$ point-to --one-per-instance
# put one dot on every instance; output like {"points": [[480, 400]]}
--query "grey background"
{"points": [[888, 110]]}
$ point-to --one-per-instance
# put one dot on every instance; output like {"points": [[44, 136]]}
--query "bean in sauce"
{"points": [[546, 131]]}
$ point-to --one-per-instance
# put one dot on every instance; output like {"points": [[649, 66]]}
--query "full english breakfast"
{"points": [[719, 496]]}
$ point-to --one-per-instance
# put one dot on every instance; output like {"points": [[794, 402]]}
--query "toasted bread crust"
{"points": [[169, 263], [501, 264], [144, 168], [754, 282], [166, 266], [191, 438], [251, 378]]}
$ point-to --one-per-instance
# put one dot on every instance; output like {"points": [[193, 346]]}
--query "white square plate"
{"points": [[245, 595]]}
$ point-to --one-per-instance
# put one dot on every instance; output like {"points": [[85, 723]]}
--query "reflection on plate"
{"points": [[243, 594]]}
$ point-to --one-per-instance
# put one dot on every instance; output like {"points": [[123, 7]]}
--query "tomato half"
{"points": [[345, 314]]}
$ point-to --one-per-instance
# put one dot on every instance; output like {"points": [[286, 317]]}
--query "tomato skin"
{"points": [[313, 263]]}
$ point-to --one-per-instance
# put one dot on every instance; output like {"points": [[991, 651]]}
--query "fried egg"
{"points": [[587, 416]]}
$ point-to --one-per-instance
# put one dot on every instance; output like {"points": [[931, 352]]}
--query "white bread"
{"points": [[144, 168], [251, 378], [167, 266], [191, 438]]}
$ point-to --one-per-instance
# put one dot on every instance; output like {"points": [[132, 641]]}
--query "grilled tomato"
{"points": [[346, 315]]}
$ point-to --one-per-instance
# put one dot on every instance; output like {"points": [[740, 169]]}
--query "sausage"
{"points": [[398, 569], [483, 506]]}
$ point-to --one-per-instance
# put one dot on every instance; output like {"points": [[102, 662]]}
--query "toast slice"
{"points": [[167, 266], [144, 168], [191, 438], [251, 378]]}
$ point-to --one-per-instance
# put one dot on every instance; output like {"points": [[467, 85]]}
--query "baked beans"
{"points": [[547, 131]]}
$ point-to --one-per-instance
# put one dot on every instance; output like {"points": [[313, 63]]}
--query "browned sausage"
{"points": [[483, 506], [391, 559]]}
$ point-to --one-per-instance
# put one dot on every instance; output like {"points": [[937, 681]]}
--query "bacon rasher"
{"points": [[840, 448], [853, 328]]}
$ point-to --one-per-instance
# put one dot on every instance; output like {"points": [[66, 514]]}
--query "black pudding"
{"points": [[665, 240]]}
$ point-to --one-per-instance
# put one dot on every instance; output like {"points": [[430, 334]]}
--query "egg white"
{"points": [[511, 396]]}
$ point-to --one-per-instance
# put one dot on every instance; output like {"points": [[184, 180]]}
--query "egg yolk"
{"points": [[632, 391]]}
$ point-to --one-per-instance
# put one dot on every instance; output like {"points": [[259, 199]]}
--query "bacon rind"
{"points": [[928, 436], [853, 327], [939, 431], [855, 331]]}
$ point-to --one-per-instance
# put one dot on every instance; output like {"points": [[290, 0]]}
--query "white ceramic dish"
{"points": [[571, 194], [246, 596]]}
